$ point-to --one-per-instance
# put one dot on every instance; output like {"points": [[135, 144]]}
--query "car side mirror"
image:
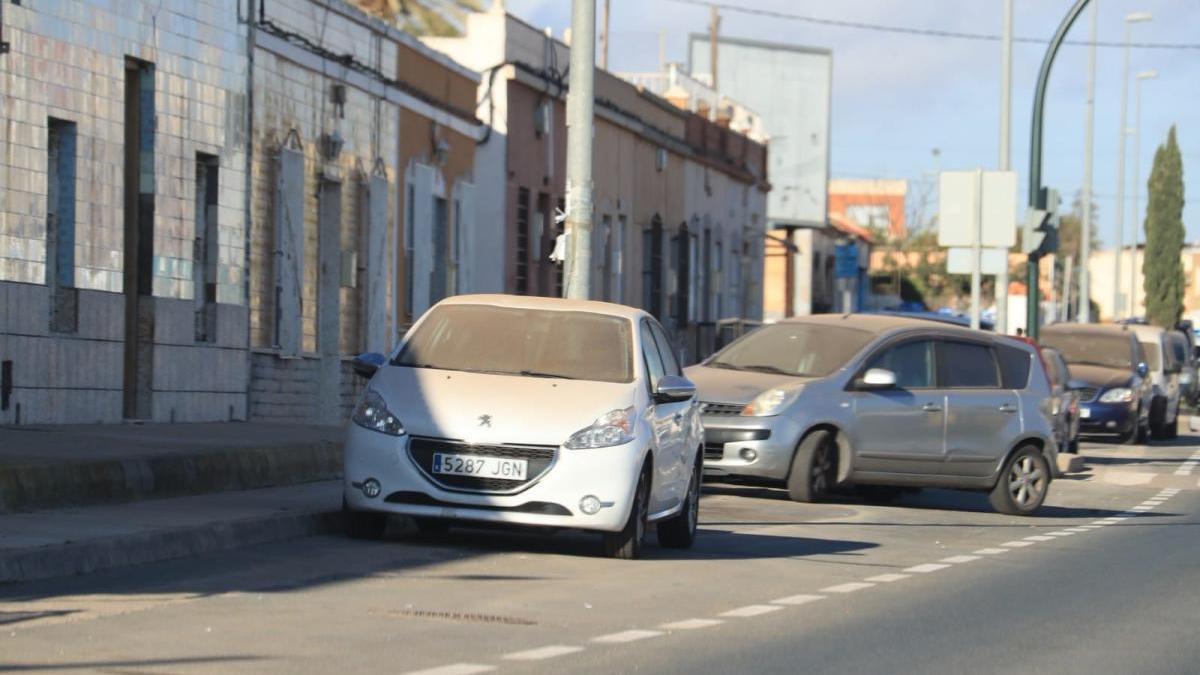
{"points": [[366, 364], [1142, 369], [673, 388], [877, 378]]}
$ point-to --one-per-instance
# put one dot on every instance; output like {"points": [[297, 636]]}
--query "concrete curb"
{"points": [[45, 562], [56, 485]]}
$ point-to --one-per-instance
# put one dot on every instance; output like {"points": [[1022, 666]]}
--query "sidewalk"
{"points": [[57, 466]]}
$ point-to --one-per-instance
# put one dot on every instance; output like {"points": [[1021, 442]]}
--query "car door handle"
{"points": [[931, 407], [1007, 408]]}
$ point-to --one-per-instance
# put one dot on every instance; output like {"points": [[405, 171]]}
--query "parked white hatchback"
{"points": [[529, 411]]}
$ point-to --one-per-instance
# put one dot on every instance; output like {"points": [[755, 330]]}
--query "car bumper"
{"points": [[752, 447], [610, 474], [1107, 418]]}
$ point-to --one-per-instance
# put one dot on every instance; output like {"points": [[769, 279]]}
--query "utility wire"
{"points": [[923, 32]]}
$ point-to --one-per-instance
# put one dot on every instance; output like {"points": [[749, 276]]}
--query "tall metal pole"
{"points": [[1135, 208], [1001, 291], [581, 101], [1119, 211], [1033, 311], [604, 36], [1085, 225], [977, 250]]}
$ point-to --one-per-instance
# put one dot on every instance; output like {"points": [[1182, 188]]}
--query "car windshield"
{"points": [[1109, 351], [519, 341], [802, 350]]}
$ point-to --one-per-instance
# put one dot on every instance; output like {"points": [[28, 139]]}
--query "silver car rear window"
{"points": [[521, 341]]}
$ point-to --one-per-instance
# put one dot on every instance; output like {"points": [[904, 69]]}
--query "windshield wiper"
{"points": [[536, 373], [764, 368], [522, 373], [722, 364]]}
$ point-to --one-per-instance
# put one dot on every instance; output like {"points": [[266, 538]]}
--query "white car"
{"points": [[529, 411], [1164, 374]]}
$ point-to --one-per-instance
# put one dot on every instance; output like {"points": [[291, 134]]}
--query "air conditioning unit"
{"points": [[543, 117], [660, 159]]}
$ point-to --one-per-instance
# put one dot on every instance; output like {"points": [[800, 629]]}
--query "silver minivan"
{"points": [[882, 403]]}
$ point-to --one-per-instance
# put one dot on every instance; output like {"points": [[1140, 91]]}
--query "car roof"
{"points": [[1087, 329], [885, 323], [1145, 332], [549, 304]]}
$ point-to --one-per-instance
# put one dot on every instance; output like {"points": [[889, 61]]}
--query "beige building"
{"points": [[1101, 268]]}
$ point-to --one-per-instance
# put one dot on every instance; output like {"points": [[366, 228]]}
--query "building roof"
{"points": [[846, 226]]}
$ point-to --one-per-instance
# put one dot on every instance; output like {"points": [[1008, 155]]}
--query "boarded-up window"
{"points": [[289, 249]]}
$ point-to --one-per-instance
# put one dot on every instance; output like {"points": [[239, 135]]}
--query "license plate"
{"points": [[1085, 412], [480, 467]]}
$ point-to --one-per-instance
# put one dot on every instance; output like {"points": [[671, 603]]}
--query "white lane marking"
{"points": [[1128, 478], [1117, 519], [1076, 529], [1142, 509], [627, 636], [887, 578], [542, 653], [691, 624], [1017, 544], [1090, 527], [991, 551], [455, 669], [848, 587], [802, 599], [750, 610], [1061, 533], [926, 568], [957, 559], [1039, 537]]}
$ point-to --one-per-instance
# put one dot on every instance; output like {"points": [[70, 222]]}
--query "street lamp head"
{"points": [[1138, 17], [1147, 75]]}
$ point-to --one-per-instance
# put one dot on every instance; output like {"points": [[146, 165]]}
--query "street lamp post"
{"points": [[1137, 183], [1119, 212]]}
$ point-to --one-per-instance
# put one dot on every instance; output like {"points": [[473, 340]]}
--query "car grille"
{"points": [[1087, 394], [540, 458], [714, 451], [707, 408]]}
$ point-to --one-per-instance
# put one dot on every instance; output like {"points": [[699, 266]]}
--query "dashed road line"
{"points": [[542, 653], [1061, 533], [627, 636], [691, 624], [887, 578], [926, 568], [1017, 544], [959, 559], [750, 610], [992, 551], [848, 587], [456, 669], [802, 599], [1039, 537]]}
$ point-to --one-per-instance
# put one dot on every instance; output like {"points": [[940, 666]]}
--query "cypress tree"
{"points": [[1162, 268]]}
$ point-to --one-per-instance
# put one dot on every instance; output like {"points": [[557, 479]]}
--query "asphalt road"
{"points": [[1104, 580]]}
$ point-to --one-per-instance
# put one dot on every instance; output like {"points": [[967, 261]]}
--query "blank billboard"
{"points": [[790, 86]]}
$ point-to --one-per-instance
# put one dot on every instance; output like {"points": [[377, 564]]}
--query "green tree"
{"points": [[1162, 268]]}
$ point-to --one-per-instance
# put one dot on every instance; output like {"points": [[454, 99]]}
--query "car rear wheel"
{"points": [[814, 468], [627, 543], [1158, 418], [679, 531], [363, 524], [1024, 483]]}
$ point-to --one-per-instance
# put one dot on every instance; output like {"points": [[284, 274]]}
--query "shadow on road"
{"points": [[113, 666]]}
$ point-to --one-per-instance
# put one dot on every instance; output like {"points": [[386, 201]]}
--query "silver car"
{"points": [[881, 402]]}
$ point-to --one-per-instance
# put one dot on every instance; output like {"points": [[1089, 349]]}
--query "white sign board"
{"points": [[961, 260], [960, 210]]}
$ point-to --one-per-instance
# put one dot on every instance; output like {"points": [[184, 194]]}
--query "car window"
{"points": [[912, 362], [666, 350], [1179, 348], [967, 365], [1015, 363], [654, 365]]}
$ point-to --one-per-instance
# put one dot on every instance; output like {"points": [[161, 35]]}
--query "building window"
{"points": [[60, 225], [442, 269], [560, 225], [204, 246], [603, 253], [681, 264], [707, 300], [522, 267], [616, 261], [717, 271], [410, 276], [652, 267]]}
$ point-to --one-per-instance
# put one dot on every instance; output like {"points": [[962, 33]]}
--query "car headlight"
{"points": [[771, 401], [372, 413], [614, 428], [1117, 395]]}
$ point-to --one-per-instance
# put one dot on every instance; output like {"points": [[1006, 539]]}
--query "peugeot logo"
{"points": [[485, 420]]}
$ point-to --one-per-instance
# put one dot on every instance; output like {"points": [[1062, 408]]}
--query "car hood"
{"points": [[722, 385], [1100, 376], [519, 410]]}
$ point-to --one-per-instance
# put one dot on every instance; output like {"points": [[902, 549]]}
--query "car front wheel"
{"points": [[1024, 483], [814, 468], [626, 544], [679, 531]]}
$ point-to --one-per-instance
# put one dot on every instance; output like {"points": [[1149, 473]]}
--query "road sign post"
{"points": [[977, 210]]}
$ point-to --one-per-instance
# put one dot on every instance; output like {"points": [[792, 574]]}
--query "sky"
{"points": [[897, 98]]}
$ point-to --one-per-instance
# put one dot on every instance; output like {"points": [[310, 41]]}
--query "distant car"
{"points": [[1183, 354], [1064, 401], [1108, 367], [880, 403], [529, 411], [1164, 378]]}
